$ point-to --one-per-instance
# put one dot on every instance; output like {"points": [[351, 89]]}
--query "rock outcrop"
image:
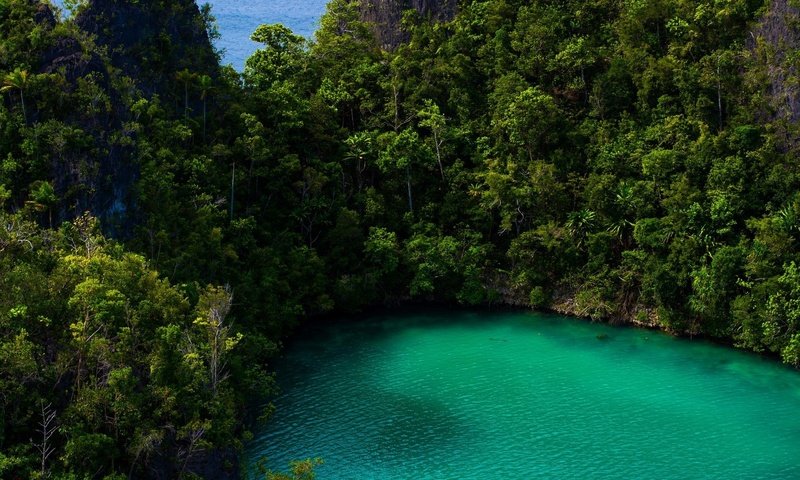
{"points": [[386, 17], [774, 38], [148, 42]]}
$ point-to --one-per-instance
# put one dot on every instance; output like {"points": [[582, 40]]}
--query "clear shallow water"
{"points": [[522, 395], [237, 19]]}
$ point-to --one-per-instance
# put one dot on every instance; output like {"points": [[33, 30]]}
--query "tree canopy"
{"points": [[619, 160]]}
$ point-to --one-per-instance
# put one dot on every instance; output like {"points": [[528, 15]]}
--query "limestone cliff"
{"points": [[148, 42], [772, 40], [386, 16]]}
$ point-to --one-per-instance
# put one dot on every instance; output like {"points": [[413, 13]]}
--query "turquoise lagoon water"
{"points": [[521, 396], [237, 19]]}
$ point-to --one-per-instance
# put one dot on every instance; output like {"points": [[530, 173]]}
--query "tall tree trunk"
{"points": [[438, 153], [24, 113], [233, 176], [395, 96], [408, 184], [719, 93], [47, 429]]}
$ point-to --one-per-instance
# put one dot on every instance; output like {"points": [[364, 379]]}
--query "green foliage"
{"points": [[609, 158], [129, 359], [298, 470], [538, 298], [782, 319]]}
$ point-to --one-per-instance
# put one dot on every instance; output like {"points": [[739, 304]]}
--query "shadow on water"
{"points": [[414, 426]]}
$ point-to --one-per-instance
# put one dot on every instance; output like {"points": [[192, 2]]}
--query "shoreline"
{"points": [[565, 306]]}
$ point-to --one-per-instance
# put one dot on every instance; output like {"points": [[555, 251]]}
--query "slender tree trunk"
{"points": [[215, 354], [585, 85], [395, 96], [408, 184], [719, 93], [78, 373], [233, 176], [186, 100], [194, 439], [47, 429], [204, 120], [658, 34], [360, 169], [24, 113], [438, 153]]}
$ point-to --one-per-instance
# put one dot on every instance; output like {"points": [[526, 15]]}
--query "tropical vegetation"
{"points": [[165, 221]]}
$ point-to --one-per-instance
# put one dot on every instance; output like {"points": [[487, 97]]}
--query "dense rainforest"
{"points": [[165, 220]]}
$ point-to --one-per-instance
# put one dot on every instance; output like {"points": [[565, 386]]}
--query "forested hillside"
{"points": [[165, 221]]}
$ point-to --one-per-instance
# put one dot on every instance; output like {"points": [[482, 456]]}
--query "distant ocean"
{"points": [[238, 19]]}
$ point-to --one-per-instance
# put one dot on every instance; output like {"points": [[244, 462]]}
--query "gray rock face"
{"points": [[386, 16], [777, 34], [148, 42]]}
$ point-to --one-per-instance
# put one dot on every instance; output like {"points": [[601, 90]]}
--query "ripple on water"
{"points": [[515, 395]]}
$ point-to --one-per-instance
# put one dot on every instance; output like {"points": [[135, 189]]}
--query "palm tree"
{"points": [[186, 77], [206, 86], [43, 197], [18, 79], [360, 146], [626, 209], [580, 223], [787, 219]]}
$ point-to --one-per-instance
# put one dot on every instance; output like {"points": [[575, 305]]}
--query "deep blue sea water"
{"points": [[238, 19]]}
